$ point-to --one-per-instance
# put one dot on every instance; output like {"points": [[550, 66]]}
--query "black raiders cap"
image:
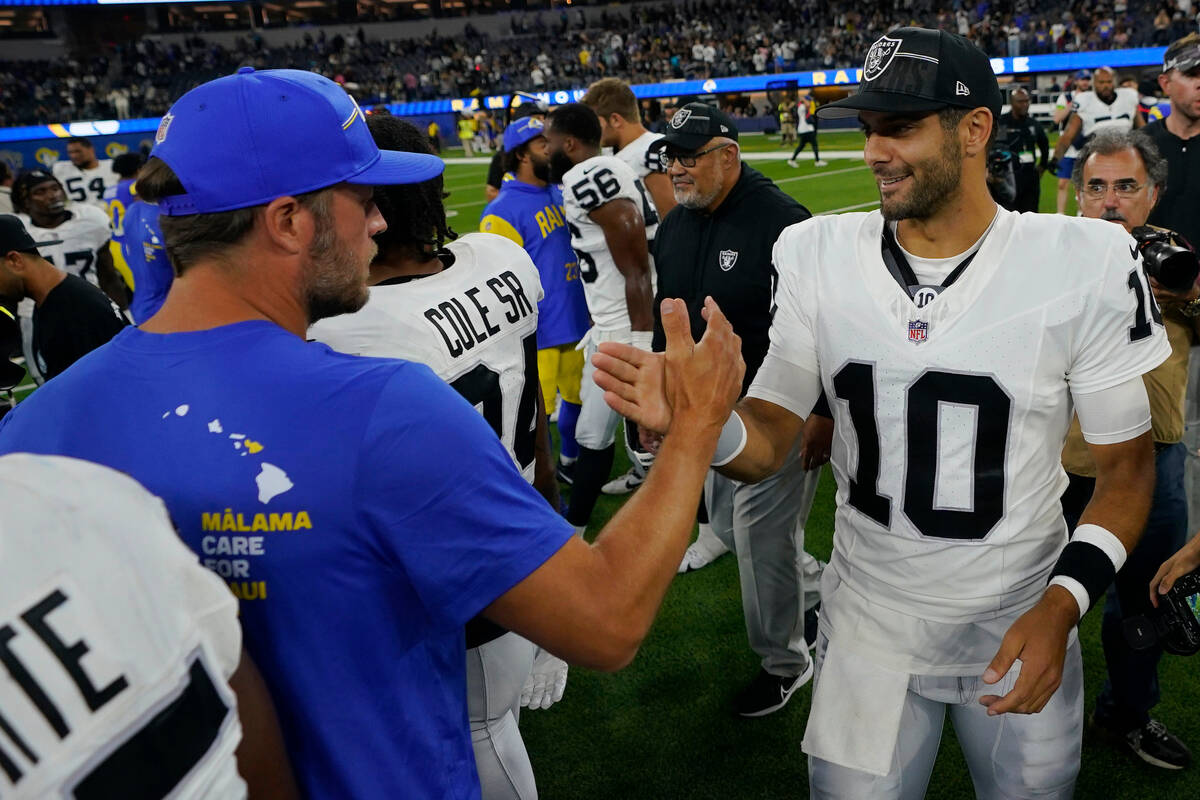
{"points": [[915, 70], [13, 236], [693, 125]]}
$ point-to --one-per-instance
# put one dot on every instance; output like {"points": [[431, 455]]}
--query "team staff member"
{"points": [[1026, 139], [949, 528], [359, 508], [529, 211], [133, 685], [717, 243], [1118, 177], [71, 318], [806, 115], [1176, 138]]}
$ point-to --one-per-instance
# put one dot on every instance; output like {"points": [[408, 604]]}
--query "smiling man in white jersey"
{"points": [[605, 209], [952, 339], [468, 309]]}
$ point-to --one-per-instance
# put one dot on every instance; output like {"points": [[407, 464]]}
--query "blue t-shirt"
{"points": [[533, 217], [359, 508], [142, 246]]}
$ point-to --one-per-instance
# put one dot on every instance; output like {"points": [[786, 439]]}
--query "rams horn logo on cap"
{"points": [[161, 134], [356, 114], [879, 57], [681, 117]]}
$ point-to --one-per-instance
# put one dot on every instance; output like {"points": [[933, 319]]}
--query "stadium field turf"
{"points": [[662, 727]]}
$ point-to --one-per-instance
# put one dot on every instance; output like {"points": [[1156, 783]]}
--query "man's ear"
{"points": [[14, 262], [288, 225], [978, 126]]}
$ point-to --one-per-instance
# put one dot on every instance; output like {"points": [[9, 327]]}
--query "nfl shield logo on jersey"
{"points": [[918, 331], [727, 258]]}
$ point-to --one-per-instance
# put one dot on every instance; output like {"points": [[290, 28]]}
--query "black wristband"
{"points": [[1089, 565]]}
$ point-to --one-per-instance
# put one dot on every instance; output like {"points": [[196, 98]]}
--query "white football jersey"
{"points": [[474, 324], [637, 157], [587, 186], [950, 418], [1096, 114], [115, 645], [86, 186]]}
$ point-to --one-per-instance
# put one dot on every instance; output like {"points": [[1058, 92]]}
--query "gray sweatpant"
{"points": [[496, 674], [763, 524]]}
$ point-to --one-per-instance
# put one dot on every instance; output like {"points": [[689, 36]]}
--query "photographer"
{"points": [[1023, 136], [1119, 176]]}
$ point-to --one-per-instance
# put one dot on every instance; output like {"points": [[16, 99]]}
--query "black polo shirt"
{"points": [[726, 254], [1178, 208], [74, 319]]}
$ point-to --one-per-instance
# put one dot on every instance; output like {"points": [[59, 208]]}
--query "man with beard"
{"points": [[529, 211], [717, 243], [420, 280], [953, 338], [606, 213], [359, 508], [85, 177], [1105, 106]]}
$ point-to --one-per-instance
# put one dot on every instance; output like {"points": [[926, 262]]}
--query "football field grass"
{"points": [[662, 727]]}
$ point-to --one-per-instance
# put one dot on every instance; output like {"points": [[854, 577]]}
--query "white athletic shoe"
{"points": [[820, 163], [791, 162], [706, 549], [624, 484]]}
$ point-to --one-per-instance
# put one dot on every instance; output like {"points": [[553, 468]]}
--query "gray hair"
{"points": [[1109, 141]]}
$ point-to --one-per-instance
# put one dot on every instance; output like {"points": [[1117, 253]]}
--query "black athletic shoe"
{"points": [[768, 693], [810, 626], [1157, 746], [565, 473]]}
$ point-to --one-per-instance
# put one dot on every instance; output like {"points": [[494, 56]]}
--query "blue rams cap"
{"points": [[1083, 73], [521, 132], [248, 138]]}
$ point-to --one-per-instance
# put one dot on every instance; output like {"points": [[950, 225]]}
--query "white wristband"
{"points": [[732, 440], [641, 339], [1104, 539], [1077, 591]]}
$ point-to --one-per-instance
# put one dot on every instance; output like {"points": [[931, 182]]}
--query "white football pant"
{"points": [[597, 425], [1009, 756], [496, 674]]}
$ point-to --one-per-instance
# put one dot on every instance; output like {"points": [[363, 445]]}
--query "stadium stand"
{"points": [[640, 43]]}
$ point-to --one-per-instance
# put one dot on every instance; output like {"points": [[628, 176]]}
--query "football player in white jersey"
{"points": [[622, 130], [1105, 106], [85, 177], [1081, 82], [468, 309], [953, 340], [125, 674], [606, 210], [73, 239]]}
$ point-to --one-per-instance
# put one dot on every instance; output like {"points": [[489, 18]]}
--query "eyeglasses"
{"points": [[667, 158], [1099, 189]]}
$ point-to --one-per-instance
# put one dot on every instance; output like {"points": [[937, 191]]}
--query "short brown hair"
{"points": [[194, 237], [612, 96]]}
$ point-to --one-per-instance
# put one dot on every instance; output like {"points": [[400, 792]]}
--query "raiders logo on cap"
{"points": [[879, 57], [681, 117]]}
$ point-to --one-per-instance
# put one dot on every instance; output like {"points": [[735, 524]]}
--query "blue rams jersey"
{"points": [[532, 216], [359, 509], [142, 249], [117, 200]]}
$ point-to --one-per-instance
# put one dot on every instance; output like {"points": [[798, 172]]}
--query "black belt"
{"points": [[1160, 446]]}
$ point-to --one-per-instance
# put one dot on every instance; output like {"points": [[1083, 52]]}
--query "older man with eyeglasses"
{"points": [[1119, 176], [717, 243]]}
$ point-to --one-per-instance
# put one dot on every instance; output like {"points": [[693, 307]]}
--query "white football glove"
{"points": [[546, 682]]}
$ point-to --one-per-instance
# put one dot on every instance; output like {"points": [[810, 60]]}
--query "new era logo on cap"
{"points": [[961, 90]]}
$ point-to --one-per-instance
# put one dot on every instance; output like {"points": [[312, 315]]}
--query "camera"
{"points": [[1172, 266], [1002, 176], [1175, 624]]}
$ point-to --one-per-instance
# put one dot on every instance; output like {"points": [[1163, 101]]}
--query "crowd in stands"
{"points": [[641, 43]]}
